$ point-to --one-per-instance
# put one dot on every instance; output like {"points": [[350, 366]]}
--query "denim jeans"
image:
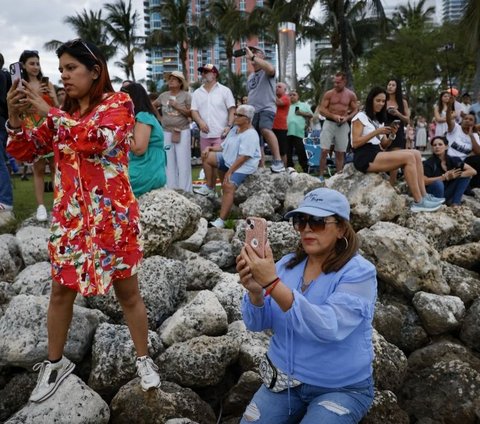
{"points": [[6, 193], [452, 191], [310, 405]]}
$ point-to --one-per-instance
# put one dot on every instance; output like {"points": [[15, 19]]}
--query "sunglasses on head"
{"points": [[316, 223], [240, 115], [73, 43]]}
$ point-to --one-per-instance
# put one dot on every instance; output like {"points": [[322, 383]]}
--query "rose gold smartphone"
{"points": [[256, 234]]}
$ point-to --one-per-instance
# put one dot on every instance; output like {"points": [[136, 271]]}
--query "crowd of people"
{"points": [[105, 148]]}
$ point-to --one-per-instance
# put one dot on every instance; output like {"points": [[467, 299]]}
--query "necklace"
{"points": [[305, 285]]}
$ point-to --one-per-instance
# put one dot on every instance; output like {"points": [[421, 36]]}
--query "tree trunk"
{"points": [[476, 79], [342, 25]]}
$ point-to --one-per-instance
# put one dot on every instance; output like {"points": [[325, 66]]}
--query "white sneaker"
{"points": [[148, 373], [277, 166], [218, 223], [204, 190], [5, 207], [42, 214], [50, 377]]}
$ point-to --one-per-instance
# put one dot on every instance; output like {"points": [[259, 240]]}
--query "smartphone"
{"points": [[239, 52], [16, 73], [396, 122], [256, 234], [45, 81], [297, 108]]}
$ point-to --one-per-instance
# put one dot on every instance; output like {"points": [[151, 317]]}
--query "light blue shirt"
{"points": [[243, 144], [325, 338]]}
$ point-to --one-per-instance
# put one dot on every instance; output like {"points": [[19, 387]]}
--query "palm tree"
{"points": [[182, 30], [89, 26], [470, 25], [341, 18], [122, 22], [230, 24], [413, 17]]}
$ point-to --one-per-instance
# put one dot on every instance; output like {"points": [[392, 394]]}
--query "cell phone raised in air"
{"points": [[16, 73], [256, 234], [45, 81]]}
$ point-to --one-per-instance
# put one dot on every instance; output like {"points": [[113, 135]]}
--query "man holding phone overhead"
{"points": [[297, 117]]}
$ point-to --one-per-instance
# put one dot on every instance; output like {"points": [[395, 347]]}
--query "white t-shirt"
{"points": [[212, 107], [243, 144], [459, 143], [368, 127]]}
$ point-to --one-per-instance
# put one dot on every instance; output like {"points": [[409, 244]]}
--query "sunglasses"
{"points": [[77, 41], [240, 115], [316, 223]]}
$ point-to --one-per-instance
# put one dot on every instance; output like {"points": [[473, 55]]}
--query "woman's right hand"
{"points": [[384, 130], [17, 104], [246, 278]]}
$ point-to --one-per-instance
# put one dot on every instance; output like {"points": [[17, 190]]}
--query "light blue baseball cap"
{"points": [[323, 202]]}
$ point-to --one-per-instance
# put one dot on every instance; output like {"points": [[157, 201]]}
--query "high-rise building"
{"points": [[453, 10], [161, 60]]}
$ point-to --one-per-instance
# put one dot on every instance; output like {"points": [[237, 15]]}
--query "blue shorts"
{"points": [[310, 405], [236, 178]]}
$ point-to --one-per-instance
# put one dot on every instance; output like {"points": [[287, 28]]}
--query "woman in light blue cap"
{"points": [[319, 303]]}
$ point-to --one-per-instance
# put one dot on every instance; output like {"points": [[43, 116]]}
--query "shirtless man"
{"points": [[338, 106]]}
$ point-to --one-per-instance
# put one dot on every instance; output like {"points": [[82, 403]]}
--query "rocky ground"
{"points": [[427, 338]]}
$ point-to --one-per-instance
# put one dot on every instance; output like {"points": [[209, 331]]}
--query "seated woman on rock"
{"points": [[319, 302], [446, 176], [236, 158], [464, 143], [370, 138], [147, 157]]}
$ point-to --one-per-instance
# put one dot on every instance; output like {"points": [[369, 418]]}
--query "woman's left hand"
{"points": [[36, 100], [262, 269]]}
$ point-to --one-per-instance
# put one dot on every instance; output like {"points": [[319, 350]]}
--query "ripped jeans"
{"points": [[311, 405]]}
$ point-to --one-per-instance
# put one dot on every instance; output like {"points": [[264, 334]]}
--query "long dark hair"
{"points": [[27, 54], [369, 111], [89, 55], [140, 99], [398, 94], [440, 104], [340, 254]]}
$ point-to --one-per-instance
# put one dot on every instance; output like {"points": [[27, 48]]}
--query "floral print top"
{"points": [[95, 233]]}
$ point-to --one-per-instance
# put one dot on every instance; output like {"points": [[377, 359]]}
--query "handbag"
{"points": [[274, 379]]}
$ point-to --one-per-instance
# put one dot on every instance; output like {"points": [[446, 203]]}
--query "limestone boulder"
{"points": [[199, 272], [389, 365], [219, 252], [372, 198], [33, 242], [404, 258], [35, 279], [385, 410], [301, 185], [398, 322], [229, 293], [15, 393], [198, 362], [451, 226], [260, 204], [446, 392], [470, 332], [204, 315], [10, 257], [113, 357], [166, 216], [132, 405], [439, 314], [67, 405], [239, 396], [195, 241], [463, 283], [466, 255], [263, 180], [23, 331]]}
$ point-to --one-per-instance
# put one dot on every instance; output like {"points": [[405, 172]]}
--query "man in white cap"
{"points": [[261, 85], [212, 109]]}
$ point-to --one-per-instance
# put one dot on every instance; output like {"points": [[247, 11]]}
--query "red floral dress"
{"points": [[95, 232]]}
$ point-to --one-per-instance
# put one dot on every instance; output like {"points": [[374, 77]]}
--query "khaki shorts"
{"points": [[334, 134]]}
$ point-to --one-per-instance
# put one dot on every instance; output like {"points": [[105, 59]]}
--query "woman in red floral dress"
{"points": [[95, 234]]}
